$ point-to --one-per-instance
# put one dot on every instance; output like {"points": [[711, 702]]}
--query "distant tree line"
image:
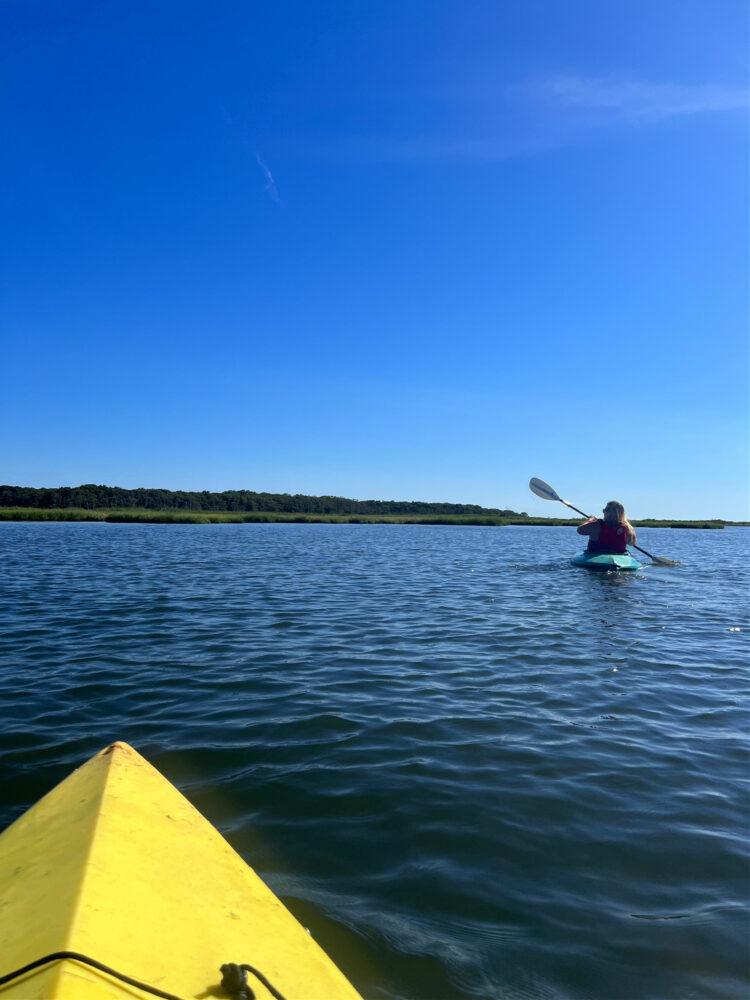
{"points": [[91, 497]]}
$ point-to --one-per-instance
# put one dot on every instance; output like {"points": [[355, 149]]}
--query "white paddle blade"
{"points": [[543, 490]]}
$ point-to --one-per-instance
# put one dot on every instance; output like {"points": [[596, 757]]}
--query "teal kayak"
{"points": [[605, 561]]}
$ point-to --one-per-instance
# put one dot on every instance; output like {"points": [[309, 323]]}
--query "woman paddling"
{"points": [[611, 534]]}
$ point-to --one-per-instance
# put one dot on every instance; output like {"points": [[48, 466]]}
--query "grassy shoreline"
{"points": [[141, 515]]}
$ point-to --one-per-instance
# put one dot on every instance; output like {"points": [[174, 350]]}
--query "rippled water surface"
{"points": [[472, 769]]}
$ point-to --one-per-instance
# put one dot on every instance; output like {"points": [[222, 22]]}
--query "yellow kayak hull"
{"points": [[116, 864]]}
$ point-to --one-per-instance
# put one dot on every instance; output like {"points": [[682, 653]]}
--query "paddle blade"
{"points": [[659, 560], [543, 490]]}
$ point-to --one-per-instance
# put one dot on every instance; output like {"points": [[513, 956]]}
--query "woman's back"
{"points": [[611, 534]]}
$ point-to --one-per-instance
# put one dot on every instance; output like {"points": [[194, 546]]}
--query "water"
{"points": [[471, 769]]}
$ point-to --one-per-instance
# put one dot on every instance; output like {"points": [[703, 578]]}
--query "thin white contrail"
{"points": [[270, 182]]}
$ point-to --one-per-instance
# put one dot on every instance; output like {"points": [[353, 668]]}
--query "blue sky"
{"points": [[394, 250]]}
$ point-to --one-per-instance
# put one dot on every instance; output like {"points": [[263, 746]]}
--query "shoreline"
{"points": [[172, 516]]}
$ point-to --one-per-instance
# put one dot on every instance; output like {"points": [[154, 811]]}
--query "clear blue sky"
{"points": [[394, 250]]}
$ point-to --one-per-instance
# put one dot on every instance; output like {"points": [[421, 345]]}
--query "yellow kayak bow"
{"points": [[115, 865]]}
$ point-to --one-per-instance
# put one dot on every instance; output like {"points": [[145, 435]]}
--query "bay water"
{"points": [[472, 769]]}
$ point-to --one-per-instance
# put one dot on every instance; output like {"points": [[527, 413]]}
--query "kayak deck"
{"points": [[606, 561], [116, 864]]}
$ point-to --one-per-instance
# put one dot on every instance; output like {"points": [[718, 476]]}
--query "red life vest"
{"points": [[612, 538]]}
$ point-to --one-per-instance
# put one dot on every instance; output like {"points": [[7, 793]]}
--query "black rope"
{"points": [[58, 956], [235, 982], [234, 979]]}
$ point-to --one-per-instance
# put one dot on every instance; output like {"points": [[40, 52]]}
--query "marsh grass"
{"points": [[56, 514], [143, 516]]}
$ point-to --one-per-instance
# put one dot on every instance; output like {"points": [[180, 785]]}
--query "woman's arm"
{"points": [[588, 526], [632, 540]]}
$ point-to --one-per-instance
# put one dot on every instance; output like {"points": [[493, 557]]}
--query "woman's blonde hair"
{"points": [[614, 513]]}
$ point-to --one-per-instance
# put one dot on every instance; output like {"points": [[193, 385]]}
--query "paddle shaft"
{"points": [[574, 508]]}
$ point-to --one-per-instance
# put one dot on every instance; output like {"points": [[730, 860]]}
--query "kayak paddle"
{"points": [[546, 492]]}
